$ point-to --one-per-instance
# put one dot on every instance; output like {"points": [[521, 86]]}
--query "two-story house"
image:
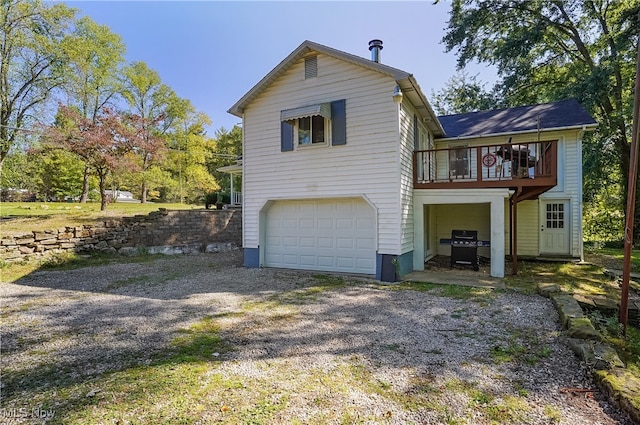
{"points": [[347, 168]]}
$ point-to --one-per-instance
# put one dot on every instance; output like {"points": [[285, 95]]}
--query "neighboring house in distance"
{"points": [[347, 168], [120, 196]]}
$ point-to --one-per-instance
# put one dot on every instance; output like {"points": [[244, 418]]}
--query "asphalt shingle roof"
{"points": [[566, 113]]}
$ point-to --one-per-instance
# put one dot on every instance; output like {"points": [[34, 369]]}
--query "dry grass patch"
{"points": [[24, 217], [586, 280]]}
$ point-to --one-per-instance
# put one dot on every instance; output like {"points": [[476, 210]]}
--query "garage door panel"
{"points": [[365, 263], [329, 235], [344, 262], [289, 242], [365, 244], [324, 261], [307, 223], [290, 259], [307, 242], [288, 223], [326, 208], [325, 223], [342, 243], [274, 241], [345, 223], [365, 224], [347, 207], [308, 260], [273, 257], [325, 242]]}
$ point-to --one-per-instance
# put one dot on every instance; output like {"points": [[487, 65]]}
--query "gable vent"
{"points": [[310, 67]]}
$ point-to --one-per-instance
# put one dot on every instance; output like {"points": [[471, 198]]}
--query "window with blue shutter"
{"points": [[286, 136], [338, 122], [309, 125]]}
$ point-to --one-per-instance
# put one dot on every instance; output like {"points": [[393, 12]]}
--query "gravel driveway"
{"points": [[425, 357]]}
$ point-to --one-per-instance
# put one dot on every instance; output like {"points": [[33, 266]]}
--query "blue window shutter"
{"points": [[416, 142], [286, 136], [338, 122]]}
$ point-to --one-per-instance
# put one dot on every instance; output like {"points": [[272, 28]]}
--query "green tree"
{"points": [[187, 161], [93, 56], [31, 35], [547, 50], [464, 93], [60, 175], [21, 170], [158, 108], [227, 149]]}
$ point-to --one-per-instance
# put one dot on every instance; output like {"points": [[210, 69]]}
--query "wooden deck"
{"points": [[528, 168]]}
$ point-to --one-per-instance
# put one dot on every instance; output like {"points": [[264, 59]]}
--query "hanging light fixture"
{"points": [[397, 95]]}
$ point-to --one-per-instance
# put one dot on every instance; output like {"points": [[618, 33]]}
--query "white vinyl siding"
{"points": [[528, 219], [407, 113], [569, 182], [367, 166]]}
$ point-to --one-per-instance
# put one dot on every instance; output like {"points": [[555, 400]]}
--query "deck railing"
{"points": [[504, 165]]}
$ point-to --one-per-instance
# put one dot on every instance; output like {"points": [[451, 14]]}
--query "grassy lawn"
{"points": [[22, 217], [584, 279]]}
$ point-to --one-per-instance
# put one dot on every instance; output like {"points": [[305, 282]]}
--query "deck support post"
{"points": [[514, 232]]}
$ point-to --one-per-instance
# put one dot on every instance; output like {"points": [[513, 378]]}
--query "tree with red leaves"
{"points": [[103, 143]]}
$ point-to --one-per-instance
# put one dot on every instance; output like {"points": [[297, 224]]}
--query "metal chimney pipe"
{"points": [[375, 46]]}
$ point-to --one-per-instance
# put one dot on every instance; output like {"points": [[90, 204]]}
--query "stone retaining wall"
{"points": [[160, 231]]}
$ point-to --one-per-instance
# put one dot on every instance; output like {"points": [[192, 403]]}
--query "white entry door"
{"points": [[555, 228], [322, 234]]}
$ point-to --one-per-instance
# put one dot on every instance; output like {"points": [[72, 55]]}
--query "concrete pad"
{"points": [[452, 278]]}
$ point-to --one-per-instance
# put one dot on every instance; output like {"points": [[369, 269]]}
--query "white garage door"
{"points": [[327, 234]]}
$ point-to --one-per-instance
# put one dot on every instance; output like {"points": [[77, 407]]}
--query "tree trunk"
{"points": [[143, 193], [103, 194], [85, 186]]}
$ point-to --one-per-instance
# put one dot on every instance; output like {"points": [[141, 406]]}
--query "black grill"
{"points": [[464, 248]]}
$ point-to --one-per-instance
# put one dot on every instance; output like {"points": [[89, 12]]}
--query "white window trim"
{"points": [[468, 159], [327, 136]]}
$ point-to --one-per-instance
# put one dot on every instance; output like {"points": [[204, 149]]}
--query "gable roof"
{"points": [[549, 116], [406, 81]]}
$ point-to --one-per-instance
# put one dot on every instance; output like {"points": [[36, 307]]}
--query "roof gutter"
{"points": [[584, 127], [435, 119]]}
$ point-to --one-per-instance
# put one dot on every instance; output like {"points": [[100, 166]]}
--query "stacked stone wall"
{"points": [[164, 231]]}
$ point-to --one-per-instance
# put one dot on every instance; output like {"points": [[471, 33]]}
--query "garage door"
{"points": [[327, 235]]}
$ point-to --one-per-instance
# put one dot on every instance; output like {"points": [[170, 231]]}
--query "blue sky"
{"points": [[213, 52]]}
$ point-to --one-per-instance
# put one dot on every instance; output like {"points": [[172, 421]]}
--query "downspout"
{"points": [[514, 232], [243, 185], [580, 206]]}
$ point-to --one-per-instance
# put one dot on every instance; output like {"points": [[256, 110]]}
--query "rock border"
{"points": [[620, 386]]}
